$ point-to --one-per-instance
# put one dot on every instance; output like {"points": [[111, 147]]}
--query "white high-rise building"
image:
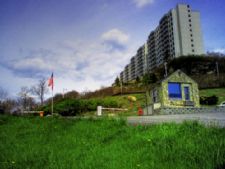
{"points": [[141, 61], [178, 34]]}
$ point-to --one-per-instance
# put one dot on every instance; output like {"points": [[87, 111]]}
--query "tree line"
{"points": [[25, 99]]}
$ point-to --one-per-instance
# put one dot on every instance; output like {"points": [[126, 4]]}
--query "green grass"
{"points": [[33, 142], [219, 92], [132, 107]]}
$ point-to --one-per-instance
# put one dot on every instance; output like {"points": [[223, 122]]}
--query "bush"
{"points": [[212, 100], [69, 107], [1, 110], [110, 103]]}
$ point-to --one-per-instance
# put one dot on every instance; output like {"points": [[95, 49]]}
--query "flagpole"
{"points": [[51, 83], [52, 101], [121, 87]]}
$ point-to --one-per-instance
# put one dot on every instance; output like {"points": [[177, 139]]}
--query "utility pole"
{"points": [[217, 69], [165, 66], [64, 92], [121, 87]]}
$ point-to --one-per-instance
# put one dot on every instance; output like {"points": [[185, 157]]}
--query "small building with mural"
{"points": [[177, 90]]}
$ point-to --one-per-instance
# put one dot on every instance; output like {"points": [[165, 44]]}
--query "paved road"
{"points": [[205, 118]]}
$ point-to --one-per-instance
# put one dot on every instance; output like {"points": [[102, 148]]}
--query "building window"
{"points": [[189, 20], [189, 15], [190, 30], [190, 25], [192, 45], [193, 50], [191, 35], [174, 91], [192, 40], [187, 93]]}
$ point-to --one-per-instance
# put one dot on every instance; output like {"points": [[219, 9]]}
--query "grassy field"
{"points": [[33, 142]]}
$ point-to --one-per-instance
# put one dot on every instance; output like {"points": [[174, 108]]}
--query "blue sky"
{"points": [[86, 43]]}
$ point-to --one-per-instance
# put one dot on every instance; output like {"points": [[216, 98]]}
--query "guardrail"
{"points": [[40, 113], [30, 112]]}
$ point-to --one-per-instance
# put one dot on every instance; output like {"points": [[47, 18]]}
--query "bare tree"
{"points": [[3, 94], [9, 105], [24, 97], [40, 90], [6, 104]]}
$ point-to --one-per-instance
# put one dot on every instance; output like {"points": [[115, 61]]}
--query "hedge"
{"points": [[212, 100]]}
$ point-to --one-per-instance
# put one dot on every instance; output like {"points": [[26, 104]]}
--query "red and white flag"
{"points": [[51, 81]]}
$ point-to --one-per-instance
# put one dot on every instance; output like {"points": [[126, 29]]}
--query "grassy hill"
{"points": [[29, 142], [125, 103], [88, 107], [133, 108], [219, 92], [200, 68]]}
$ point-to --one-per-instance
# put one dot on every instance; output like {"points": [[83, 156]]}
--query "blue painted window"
{"points": [[174, 90], [187, 93]]}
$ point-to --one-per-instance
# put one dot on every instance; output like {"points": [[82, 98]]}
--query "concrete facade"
{"points": [[178, 34], [137, 66], [141, 61], [187, 30]]}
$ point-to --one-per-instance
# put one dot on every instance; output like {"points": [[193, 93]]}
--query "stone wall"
{"points": [[189, 110]]}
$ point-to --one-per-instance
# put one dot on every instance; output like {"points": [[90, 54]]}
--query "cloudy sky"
{"points": [[86, 43]]}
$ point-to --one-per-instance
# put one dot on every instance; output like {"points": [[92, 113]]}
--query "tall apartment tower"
{"points": [[141, 61], [178, 34]]}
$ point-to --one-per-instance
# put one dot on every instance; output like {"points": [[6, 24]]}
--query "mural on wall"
{"points": [[177, 90]]}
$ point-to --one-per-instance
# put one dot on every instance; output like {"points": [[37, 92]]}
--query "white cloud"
{"points": [[77, 65], [12, 83], [219, 50], [142, 3], [115, 35], [30, 63], [97, 64]]}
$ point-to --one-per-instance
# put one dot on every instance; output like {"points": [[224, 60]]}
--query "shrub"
{"points": [[110, 103], [69, 107], [212, 100]]}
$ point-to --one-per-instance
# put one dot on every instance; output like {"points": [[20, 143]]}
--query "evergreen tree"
{"points": [[137, 79], [117, 81]]}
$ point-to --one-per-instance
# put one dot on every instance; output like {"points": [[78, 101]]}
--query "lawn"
{"points": [[33, 142]]}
